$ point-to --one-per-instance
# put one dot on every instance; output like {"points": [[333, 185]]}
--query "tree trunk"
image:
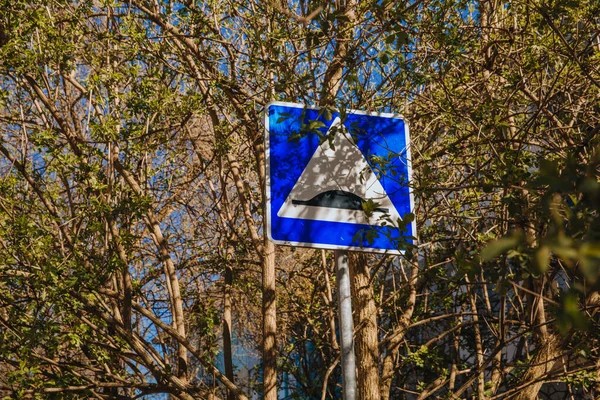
{"points": [[269, 323], [365, 321], [227, 354], [548, 350], [540, 365], [478, 341], [328, 296], [391, 344]]}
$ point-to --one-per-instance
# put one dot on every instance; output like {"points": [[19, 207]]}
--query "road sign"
{"points": [[337, 181]]}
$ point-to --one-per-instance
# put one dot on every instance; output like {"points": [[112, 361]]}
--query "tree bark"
{"points": [[269, 322], [391, 344], [328, 296], [478, 341], [547, 352], [540, 365], [227, 353], [365, 320]]}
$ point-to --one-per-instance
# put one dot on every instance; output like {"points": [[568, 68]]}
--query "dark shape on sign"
{"points": [[337, 199]]}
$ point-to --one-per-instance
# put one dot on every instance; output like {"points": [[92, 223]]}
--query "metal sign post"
{"points": [[346, 325]]}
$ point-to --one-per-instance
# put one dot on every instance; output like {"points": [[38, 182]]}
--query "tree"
{"points": [[131, 233]]}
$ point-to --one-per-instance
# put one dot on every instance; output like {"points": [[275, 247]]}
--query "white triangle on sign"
{"points": [[328, 187]]}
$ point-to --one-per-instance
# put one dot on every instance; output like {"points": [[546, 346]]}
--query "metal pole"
{"points": [[346, 325]]}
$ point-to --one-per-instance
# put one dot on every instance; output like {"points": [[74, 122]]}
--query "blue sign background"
{"points": [[382, 140]]}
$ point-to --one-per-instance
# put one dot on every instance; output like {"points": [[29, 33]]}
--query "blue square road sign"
{"points": [[338, 181]]}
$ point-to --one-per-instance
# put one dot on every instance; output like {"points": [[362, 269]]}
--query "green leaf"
{"points": [[570, 315], [408, 218], [495, 248], [315, 124], [589, 260], [590, 249], [542, 258], [401, 38], [384, 57]]}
